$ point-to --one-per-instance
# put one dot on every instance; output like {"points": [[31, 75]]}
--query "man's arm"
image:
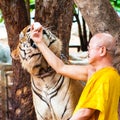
{"points": [[73, 71], [83, 114]]}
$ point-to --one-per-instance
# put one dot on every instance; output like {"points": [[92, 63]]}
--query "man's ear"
{"points": [[103, 51], [15, 54]]}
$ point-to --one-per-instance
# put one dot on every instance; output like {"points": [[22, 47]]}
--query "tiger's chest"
{"points": [[51, 101]]}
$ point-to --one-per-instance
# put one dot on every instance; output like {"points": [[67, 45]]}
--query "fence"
{"points": [[5, 88]]}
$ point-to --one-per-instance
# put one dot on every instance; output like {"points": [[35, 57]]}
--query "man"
{"points": [[100, 97]]}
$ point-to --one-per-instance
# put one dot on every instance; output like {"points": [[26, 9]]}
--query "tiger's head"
{"points": [[30, 56]]}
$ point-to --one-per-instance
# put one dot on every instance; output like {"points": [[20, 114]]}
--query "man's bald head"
{"points": [[104, 39]]}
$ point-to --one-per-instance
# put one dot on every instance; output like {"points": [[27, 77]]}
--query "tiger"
{"points": [[54, 96]]}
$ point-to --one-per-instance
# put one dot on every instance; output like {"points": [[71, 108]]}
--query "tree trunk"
{"points": [[99, 15], [15, 17], [57, 16], [100, 19]]}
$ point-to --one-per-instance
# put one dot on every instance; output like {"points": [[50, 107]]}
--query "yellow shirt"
{"points": [[102, 93]]}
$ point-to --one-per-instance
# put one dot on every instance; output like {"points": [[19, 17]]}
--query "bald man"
{"points": [[100, 97]]}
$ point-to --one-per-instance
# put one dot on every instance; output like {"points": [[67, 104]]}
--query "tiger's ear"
{"points": [[15, 54]]}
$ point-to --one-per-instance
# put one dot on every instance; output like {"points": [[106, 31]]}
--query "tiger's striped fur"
{"points": [[54, 96]]}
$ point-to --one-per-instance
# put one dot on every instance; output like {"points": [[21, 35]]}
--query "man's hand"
{"points": [[84, 114], [36, 32]]}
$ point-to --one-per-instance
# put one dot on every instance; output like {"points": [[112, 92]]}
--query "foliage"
{"points": [[115, 4], [1, 18], [32, 4]]}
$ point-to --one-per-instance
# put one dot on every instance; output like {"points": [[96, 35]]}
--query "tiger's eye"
{"points": [[28, 30], [44, 32]]}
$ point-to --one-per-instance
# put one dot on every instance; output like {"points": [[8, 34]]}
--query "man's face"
{"points": [[93, 51]]}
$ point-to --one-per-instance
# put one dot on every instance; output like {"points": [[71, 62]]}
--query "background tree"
{"points": [[98, 18], [57, 16], [15, 17]]}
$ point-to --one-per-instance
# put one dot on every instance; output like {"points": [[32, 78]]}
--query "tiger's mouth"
{"points": [[32, 43]]}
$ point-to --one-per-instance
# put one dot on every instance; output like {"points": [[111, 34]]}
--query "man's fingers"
{"points": [[32, 27], [36, 26]]}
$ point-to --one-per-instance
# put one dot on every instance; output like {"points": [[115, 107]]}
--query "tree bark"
{"points": [[57, 16], [15, 17], [99, 15]]}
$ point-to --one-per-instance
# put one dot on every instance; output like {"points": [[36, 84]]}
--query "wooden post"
{"points": [[3, 97]]}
